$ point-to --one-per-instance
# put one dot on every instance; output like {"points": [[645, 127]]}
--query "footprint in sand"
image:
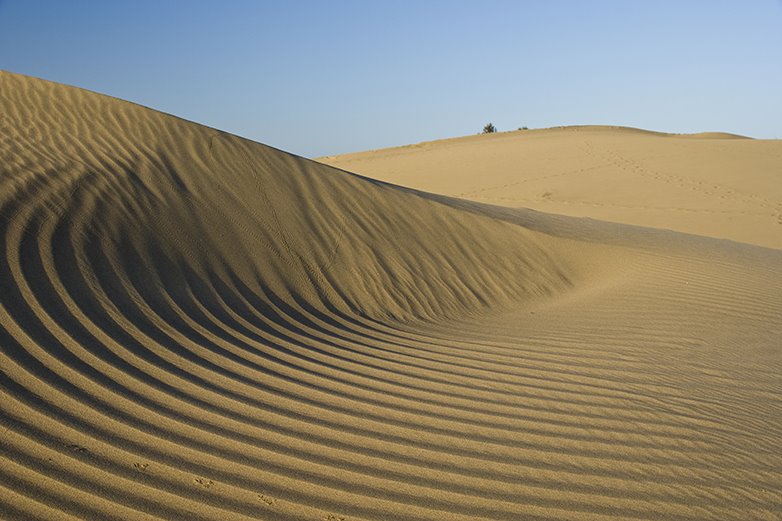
{"points": [[267, 499]]}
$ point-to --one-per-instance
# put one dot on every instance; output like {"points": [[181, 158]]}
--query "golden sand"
{"points": [[196, 326]]}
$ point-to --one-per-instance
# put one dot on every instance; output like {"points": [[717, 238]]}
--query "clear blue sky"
{"points": [[324, 77]]}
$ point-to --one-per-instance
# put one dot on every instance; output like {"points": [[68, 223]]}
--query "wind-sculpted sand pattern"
{"points": [[196, 326]]}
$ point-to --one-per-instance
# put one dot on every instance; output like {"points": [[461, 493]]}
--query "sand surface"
{"points": [[196, 326], [714, 184]]}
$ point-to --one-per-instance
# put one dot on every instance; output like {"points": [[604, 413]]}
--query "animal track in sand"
{"points": [[267, 499], [724, 192], [206, 483]]}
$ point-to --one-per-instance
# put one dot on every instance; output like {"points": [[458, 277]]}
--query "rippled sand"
{"points": [[196, 326]]}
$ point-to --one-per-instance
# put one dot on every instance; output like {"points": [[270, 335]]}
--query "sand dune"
{"points": [[196, 326], [712, 183]]}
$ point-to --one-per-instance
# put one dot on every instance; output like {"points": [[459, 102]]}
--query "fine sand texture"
{"points": [[197, 326], [714, 184]]}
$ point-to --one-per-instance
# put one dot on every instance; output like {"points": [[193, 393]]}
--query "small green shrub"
{"points": [[489, 128]]}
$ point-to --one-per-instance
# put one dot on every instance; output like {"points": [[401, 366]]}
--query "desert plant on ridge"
{"points": [[489, 128]]}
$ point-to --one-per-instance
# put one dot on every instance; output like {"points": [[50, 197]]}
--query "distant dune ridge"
{"points": [[711, 183], [197, 326]]}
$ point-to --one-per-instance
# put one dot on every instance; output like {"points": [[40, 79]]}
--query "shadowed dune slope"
{"points": [[196, 326], [165, 191], [712, 183]]}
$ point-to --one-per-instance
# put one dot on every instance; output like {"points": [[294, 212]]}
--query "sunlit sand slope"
{"points": [[196, 326], [715, 184]]}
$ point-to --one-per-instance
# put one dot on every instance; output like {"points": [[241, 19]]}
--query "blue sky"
{"points": [[326, 77]]}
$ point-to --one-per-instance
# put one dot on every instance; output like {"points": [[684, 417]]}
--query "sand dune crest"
{"points": [[196, 326]]}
